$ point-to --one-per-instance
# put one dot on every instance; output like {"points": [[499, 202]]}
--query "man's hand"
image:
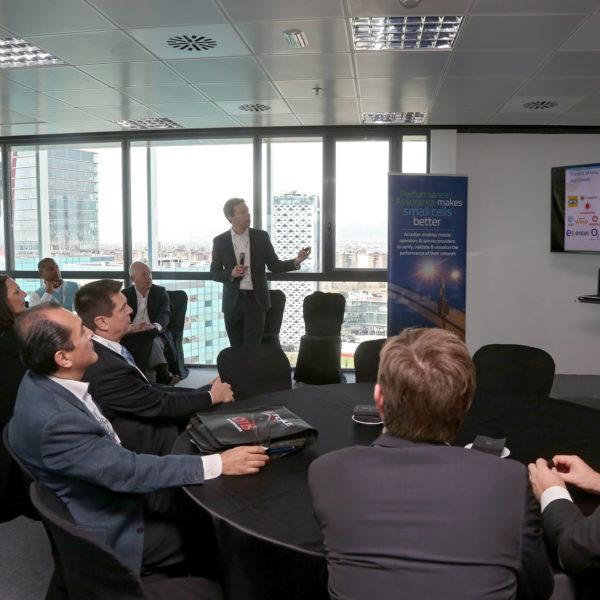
{"points": [[302, 256], [244, 460], [542, 477], [238, 271], [575, 471], [221, 392], [140, 327], [50, 286]]}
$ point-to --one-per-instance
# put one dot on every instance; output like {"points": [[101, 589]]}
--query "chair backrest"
{"points": [[91, 570], [179, 302], [323, 313], [366, 360], [254, 369], [514, 368], [274, 318]]}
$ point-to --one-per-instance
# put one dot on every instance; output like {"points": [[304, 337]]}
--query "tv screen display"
{"points": [[575, 214]]}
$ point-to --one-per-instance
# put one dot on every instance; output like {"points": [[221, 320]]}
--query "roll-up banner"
{"points": [[427, 252]]}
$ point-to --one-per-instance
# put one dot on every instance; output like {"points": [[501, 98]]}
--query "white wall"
{"points": [[517, 290]]}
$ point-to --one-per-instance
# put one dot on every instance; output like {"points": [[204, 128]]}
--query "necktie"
{"points": [[128, 356]]}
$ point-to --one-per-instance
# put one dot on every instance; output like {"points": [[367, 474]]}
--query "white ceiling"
{"points": [[508, 52]]}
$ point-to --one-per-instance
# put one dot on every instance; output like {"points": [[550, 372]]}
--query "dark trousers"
{"points": [[245, 324]]}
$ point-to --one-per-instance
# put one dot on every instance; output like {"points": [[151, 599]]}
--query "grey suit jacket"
{"points": [[261, 254], [99, 481], [404, 520]]}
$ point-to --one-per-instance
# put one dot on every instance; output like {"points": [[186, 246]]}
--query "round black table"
{"points": [[269, 540]]}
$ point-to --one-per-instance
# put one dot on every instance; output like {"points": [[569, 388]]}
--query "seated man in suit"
{"points": [[55, 288], [151, 310], [142, 413], [574, 537], [59, 432], [413, 517]]}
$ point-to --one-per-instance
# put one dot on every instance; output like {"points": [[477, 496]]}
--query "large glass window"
{"points": [[66, 203], [2, 246], [178, 192], [361, 204], [292, 196], [414, 154]]}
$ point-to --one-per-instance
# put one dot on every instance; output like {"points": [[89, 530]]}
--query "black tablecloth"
{"points": [[270, 543]]}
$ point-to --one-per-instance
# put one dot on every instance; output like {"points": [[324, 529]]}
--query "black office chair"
{"points": [[514, 368], [366, 360], [319, 356], [179, 302], [94, 572], [254, 369], [274, 318]]}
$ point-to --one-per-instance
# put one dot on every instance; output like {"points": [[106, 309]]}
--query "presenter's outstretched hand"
{"points": [[238, 271], [302, 255], [221, 392], [244, 460]]}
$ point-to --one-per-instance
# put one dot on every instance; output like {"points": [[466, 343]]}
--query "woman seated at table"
{"points": [[14, 498]]}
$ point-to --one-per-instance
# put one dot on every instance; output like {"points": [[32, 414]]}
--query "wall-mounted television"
{"points": [[575, 213]]}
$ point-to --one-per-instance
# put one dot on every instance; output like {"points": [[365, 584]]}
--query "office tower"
{"points": [[55, 206], [294, 223]]}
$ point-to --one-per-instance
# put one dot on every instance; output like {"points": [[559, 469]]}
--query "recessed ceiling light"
{"points": [[254, 107], [295, 38], [16, 53], [405, 33], [150, 123], [394, 117]]}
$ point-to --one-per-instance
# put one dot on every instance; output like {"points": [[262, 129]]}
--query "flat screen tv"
{"points": [[575, 213]]}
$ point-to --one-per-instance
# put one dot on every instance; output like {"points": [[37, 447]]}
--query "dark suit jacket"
{"points": [[261, 254], [99, 480], [159, 311], [404, 520], [141, 413], [575, 538]]}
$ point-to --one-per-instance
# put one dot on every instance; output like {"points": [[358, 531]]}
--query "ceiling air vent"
{"points": [[540, 105], [150, 123], [254, 107], [191, 43]]}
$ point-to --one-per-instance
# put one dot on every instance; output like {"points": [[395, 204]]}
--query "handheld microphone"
{"points": [[242, 257]]}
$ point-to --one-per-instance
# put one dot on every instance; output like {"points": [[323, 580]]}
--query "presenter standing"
{"points": [[239, 258]]}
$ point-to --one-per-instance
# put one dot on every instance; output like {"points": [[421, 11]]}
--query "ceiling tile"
{"points": [[207, 122], [133, 74], [197, 41], [163, 94], [572, 64], [233, 108], [533, 6], [257, 90], [494, 63], [60, 115], [111, 113], [259, 10], [408, 104], [478, 104], [218, 70], [517, 104], [326, 36], [94, 47], [53, 78], [13, 116], [186, 109], [32, 17], [307, 66], [82, 127], [522, 119], [581, 119], [28, 101], [158, 13], [263, 120], [411, 64], [23, 129], [93, 97], [586, 37], [330, 88], [512, 32], [479, 86], [323, 105], [441, 118], [397, 87], [561, 86], [378, 8], [337, 119]]}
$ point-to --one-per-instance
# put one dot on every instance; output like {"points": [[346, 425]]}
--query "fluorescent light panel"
{"points": [[391, 118], [150, 123], [16, 53], [295, 38], [405, 33]]}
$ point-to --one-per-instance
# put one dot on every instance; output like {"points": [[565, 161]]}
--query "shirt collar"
{"points": [[77, 388], [246, 233], [110, 344]]}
